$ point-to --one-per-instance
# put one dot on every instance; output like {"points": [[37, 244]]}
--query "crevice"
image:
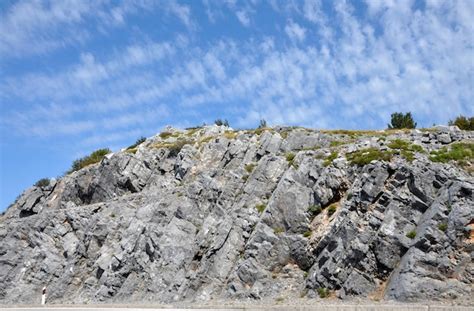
{"points": [[26, 213]]}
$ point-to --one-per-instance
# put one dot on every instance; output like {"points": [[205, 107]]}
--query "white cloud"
{"points": [[419, 61], [183, 12], [39, 27], [294, 31], [243, 17]]}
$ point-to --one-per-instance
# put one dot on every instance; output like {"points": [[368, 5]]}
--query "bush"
{"points": [[278, 230], [249, 167], [290, 157], [138, 142], [94, 157], [323, 292], [405, 148], [230, 134], [315, 210], [330, 158], [365, 156], [263, 124], [332, 209], [463, 123], [221, 122], [165, 135], [307, 234], [411, 234], [402, 121], [260, 207], [43, 182], [457, 152], [336, 143], [443, 227]]}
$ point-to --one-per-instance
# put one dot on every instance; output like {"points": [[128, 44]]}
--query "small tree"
{"points": [[138, 142], [43, 182], [402, 121], [221, 122], [463, 123], [263, 124]]}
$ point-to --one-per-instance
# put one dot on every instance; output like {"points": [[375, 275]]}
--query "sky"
{"points": [[78, 75]]}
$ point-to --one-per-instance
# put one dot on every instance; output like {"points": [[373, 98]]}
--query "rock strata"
{"points": [[213, 213]]}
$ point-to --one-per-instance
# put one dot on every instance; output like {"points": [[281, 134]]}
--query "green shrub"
{"points": [[43, 182], [411, 234], [330, 158], [221, 122], [443, 227], [365, 156], [94, 157], [260, 207], [192, 130], [138, 142], [336, 143], [315, 210], [399, 144], [332, 209], [278, 230], [402, 121], [307, 234], [290, 157], [457, 152], [249, 167], [323, 292], [165, 135], [263, 124], [463, 123], [230, 134], [173, 147], [405, 148], [133, 150]]}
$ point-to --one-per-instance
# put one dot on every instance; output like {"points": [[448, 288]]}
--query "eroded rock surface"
{"points": [[247, 215]]}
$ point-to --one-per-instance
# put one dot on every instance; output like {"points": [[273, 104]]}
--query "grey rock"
{"points": [[227, 216]]}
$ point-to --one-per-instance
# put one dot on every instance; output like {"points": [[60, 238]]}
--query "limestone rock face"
{"points": [[212, 213]]}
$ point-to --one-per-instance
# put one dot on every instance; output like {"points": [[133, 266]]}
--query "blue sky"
{"points": [[80, 75]]}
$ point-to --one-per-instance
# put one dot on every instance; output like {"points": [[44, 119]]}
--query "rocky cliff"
{"points": [[212, 213]]}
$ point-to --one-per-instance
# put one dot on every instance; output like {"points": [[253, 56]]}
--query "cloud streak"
{"points": [[356, 71]]}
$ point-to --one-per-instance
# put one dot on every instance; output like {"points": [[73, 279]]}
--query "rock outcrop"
{"points": [[212, 213]]}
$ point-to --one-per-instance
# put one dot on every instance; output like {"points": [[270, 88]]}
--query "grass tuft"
{"points": [[250, 167], [365, 156], [278, 230], [411, 234], [323, 292], [332, 209], [315, 210], [330, 158], [443, 227], [94, 157], [462, 153], [230, 134], [260, 207]]}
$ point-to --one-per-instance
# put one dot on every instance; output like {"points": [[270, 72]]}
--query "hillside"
{"points": [[213, 213]]}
